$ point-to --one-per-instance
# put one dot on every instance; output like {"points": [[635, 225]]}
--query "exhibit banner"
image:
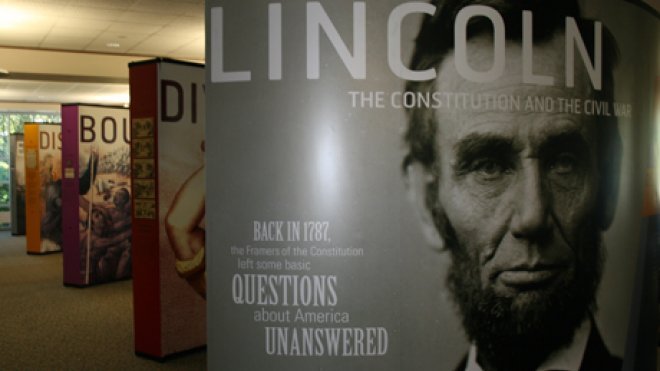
{"points": [[96, 193], [414, 185], [167, 162], [17, 184], [42, 144]]}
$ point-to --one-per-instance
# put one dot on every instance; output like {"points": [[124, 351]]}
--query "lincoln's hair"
{"points": [[435, 41]]}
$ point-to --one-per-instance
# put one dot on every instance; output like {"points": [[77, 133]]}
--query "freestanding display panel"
{"points": [[167, 159], [17, 185], [436, 185], [43, 184], [96, 194]]}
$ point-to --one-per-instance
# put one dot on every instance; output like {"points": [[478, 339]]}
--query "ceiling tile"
{"points": [[87, 13], [189, 21], [196, 9], [74, 32], [146, 18], [133, 28], [192, 49], [24, 40], [62, 42], [20, 32], [83, 24], [101, 43], [104, 4], [32, 25], [162, 6], [45, 2], [189, 33], [155, 45]]}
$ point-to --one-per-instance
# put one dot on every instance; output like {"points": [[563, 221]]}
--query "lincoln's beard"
{"points": [[517, 337]]}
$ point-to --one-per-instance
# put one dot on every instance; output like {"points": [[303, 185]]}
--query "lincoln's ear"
{"points": [[418, 180]]}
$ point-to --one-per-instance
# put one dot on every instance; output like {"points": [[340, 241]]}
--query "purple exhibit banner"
{"points": [[96, 194], [412, 185]]}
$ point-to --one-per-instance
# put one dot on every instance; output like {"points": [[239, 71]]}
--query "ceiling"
{"points": [[136, 29], [63, 92]]}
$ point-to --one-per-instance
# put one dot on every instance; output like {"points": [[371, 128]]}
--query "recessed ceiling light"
{"points": [[112, 44]]}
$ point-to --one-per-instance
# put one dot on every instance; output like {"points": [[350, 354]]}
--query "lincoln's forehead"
{"points": [[502, 104], [545, 59]]}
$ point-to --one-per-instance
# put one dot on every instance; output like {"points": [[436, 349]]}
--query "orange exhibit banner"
{"points": [[43, 182]]}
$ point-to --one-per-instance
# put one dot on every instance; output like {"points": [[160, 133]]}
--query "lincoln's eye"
{"points": [[563, 164], [490, 168]]}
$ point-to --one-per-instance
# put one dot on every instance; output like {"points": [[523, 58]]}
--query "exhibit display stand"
{"points": [[402, 185], [96, 194], [17, 184], [167, 162], [43, 183]]}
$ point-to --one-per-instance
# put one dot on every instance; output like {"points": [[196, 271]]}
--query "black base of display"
{"points": [[82, 285], [170, 356], [44, 253]]}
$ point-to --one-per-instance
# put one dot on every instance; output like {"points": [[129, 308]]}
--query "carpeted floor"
{"points": [[46, 326]]}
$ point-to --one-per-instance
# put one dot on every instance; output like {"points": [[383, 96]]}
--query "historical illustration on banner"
{"points": [[105, 212]]}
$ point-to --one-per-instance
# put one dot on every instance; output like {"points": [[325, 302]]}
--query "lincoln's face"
{"points": [[516, 193], [519, 188]]}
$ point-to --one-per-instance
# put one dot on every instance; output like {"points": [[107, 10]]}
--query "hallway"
{"points": [[46, 326]]}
